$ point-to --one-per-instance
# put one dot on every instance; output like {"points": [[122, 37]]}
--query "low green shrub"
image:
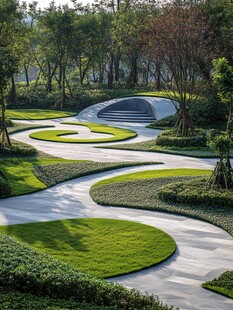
{"points": [[196, 192], [168, 121], [167, 138], [223, 284], [18, 149], [5, 189], [17, 300], [27, 270], [207, 110]]}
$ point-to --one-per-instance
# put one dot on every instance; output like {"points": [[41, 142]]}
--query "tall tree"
{"points": [[179, 37], [10, 32]]}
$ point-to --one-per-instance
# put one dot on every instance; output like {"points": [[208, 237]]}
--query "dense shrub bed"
{"points": [[5, 189], [18, 149], [56, 173], [167, 121], [143, 194], [196, 192], [17, 300], [167, 138], [223, 284], [27, 270]]}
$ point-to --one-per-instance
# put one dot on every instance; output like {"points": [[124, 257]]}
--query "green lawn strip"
{"points": [[118, 134], [17, 300], [37, 114], [23, 179], [52, 174], [27, 270], [150, 146], [164, 173], [100, 247], [20, 176], [222, 285], [22, 127]]}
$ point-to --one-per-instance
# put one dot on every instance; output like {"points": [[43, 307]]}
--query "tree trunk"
{"points": [[117, 66], [3, 128], [26, 74], [12, 98], [110, 73], [184, 124], [133, 76]]}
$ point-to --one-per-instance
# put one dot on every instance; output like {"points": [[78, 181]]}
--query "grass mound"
{"points": [[117, 134], [27, 270], [222, 285], [100, 247], [37, 114], [18, 149], [196, 192]]}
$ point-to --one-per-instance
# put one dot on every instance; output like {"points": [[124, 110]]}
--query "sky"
{"points": [[45, 3]]}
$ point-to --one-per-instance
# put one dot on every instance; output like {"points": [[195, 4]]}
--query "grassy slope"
{"points": [[56, 135], [37, 114], [100, 247]]}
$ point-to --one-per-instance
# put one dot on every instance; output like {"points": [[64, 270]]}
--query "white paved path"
{"points": [[203, 250]]}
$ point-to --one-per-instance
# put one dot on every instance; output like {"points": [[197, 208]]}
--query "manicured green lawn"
{"points": [[116, 133], [164, 173], [37, 114], [100, 247], [18, 172], [21, 127]]}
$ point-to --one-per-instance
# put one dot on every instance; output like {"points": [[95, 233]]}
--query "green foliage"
{"points": [[27, 270], [143, 194], [223, 284], [5, 189], [18, 150], [196, 193], [223, 78], [117, 133], [97, 246], [60, 172], [220, 143], [168, 121], [16, 300], [168, 138]]}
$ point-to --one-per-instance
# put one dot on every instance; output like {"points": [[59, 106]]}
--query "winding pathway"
{"points": [[203, 251]]}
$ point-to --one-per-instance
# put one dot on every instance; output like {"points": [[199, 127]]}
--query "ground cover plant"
{"points": [[143, 194], [51, 174], [222, 285], [151, 146], [17, 300], [117, 134], [36, 114], [27, 270], [100, 247]]}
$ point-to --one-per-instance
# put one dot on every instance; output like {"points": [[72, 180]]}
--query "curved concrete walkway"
{"points": [[203, 250]]}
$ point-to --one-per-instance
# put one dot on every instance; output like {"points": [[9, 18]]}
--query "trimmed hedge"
{"points": [[27, 270], [196, 192], [5, 189], [167, 138]]}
